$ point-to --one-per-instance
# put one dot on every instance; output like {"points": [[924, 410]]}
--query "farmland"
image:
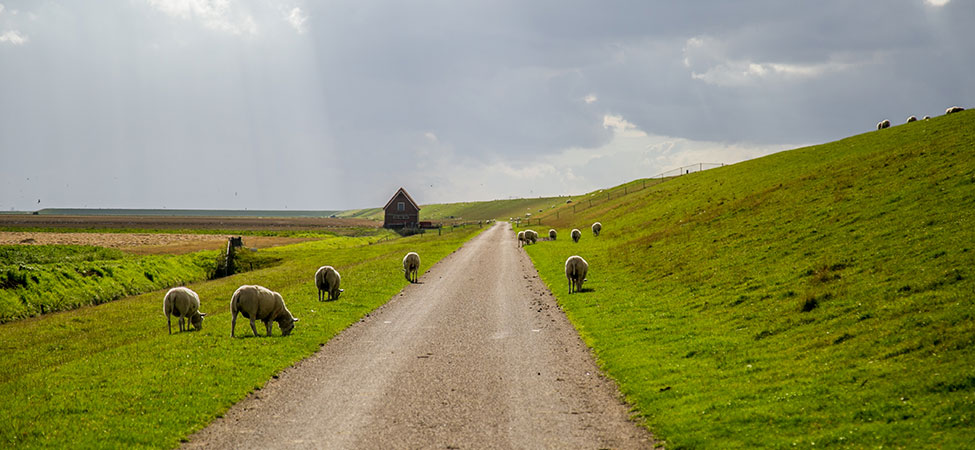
{"points": [[816, 297], [102, 375]]}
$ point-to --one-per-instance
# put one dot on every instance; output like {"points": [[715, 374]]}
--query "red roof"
{"points": [[407, 197]]}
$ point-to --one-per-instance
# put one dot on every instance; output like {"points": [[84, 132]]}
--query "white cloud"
{"points": [[1, 8], [13, 37], [431, 137], [590, 99], [219, 15], [297, 18], [621, 126], [937, 2]]}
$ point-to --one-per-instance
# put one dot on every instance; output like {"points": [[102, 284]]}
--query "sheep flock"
{"points": [[950, 110]]}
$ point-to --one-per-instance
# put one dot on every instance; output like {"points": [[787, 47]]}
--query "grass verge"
{"points": [[821, 297], [111, 376]]}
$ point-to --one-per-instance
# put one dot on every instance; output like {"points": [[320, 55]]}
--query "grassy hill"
{"points": [[823, 296], [468, 211]]}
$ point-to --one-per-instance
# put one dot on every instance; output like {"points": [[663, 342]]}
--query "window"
{"points": [[401, 206]]}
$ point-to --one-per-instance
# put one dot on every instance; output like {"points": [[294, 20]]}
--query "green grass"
{"points": [[493, 209], [821, 297], [46, 254], [470, 211], [365, 213], [111, 376], [40, 279]]}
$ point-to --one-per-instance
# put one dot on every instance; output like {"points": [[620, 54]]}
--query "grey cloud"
{"points": [[133, 94]]}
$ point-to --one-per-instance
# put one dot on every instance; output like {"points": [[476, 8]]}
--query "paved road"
{"points": [[477, 355]]}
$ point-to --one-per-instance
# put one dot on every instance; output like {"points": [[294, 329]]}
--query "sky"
{"points": [[321, 105]]}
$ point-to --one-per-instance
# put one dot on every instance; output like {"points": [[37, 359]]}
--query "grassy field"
{"points": [[111, 376], [820, 297], [494, 209], [40, 279], [470, 211]]}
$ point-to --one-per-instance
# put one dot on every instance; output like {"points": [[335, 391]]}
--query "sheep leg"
{"points": [[253, 328], [233, 324], [170, 323], [268, 324], [182, 324]]}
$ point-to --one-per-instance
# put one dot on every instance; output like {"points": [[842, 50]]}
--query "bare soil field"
{"points": [[185, 222], [142, 243], [164, 243]]}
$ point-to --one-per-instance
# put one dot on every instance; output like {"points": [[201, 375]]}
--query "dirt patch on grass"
{"points": [[143, 243]]}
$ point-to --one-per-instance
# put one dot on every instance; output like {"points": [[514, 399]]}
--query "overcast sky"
{"points": [[264, 104]]}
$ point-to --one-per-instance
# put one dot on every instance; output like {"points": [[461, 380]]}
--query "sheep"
{"points": [[521, 238], [911, 119], [411, 266], [531, 236], [328, 279], [954, 109], [576, 235], [260, 303], [596, 228], [927, 117], [552, 234], [184, 304], [575, 271], [883, 124]]}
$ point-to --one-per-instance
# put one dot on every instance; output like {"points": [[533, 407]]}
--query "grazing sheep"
{"points": [[927, 117], [596, 228], [575, 271], [521, 238], [328, 280], [260, 303], [911, 119], [576, 235], [883, 124], [411, 266], [954, 109], [531, 236], [184, 304], [552, 234]]}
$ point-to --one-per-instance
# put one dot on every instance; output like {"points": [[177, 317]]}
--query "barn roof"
{"points": [[407, 197]]}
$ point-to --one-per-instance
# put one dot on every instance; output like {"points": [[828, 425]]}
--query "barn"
{"points": [[401, 211]]}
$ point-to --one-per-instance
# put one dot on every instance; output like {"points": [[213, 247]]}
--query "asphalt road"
{"points": [[477, 355]]}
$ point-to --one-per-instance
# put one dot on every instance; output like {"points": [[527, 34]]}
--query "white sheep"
{"points": [[596, 228], [521, 238], [260, 303], [576, 235], [531, 236], [927, 117], [328, 280], [184, 304], [411, 266], [575, 270], [954, 109], [883, 124], [552, 234], [911, 119]]}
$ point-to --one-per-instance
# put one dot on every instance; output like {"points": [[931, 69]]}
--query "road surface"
{"points": [[477, 355]]}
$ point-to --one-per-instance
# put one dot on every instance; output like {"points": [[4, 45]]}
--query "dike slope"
{"points": [[819, 296]]}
